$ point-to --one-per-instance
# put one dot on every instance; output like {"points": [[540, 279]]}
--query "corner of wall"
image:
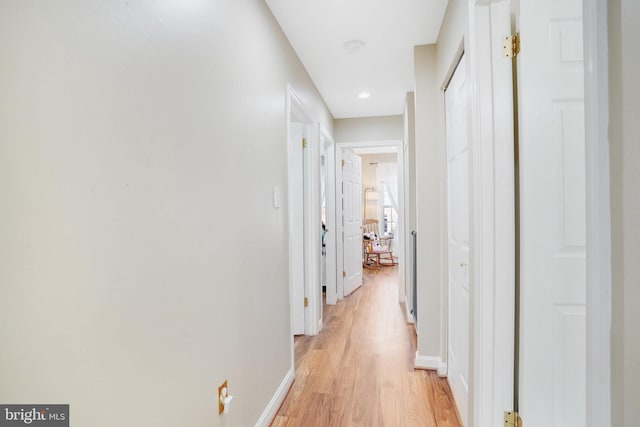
{"points": [[271, 410]]}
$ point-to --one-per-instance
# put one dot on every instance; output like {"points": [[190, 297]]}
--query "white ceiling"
{"points": [[319, 29]]}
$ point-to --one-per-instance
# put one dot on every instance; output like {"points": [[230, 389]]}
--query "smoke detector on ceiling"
{"points": [[353, 46]]}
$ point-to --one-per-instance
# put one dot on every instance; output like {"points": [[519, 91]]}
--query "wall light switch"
{"points": [[276, 197]]}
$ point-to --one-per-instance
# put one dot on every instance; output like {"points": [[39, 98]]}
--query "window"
{"points": [[390, 220]]}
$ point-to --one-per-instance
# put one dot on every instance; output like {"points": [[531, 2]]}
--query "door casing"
{"points": [[402, 291], [596, 103], [329, 147], [296, 112], [492, 269]]}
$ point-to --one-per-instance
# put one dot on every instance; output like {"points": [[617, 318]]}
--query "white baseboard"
{"points": [[271, 410], [430, 363]]}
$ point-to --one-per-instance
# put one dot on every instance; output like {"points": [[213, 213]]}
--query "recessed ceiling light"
{"points": [[364, 95], [353, 46]]}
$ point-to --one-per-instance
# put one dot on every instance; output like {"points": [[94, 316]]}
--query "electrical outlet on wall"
{"points": [[221, 397]]}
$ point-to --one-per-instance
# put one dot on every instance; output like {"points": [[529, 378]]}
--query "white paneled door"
{"points": [[457, 115], [352, 219], [552, 219]]}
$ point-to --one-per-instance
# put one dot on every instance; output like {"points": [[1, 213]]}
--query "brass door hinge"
{"points": [[511, 45], [306, 302], [304, 142], [343, 163], [512, 419], [344, 273]]}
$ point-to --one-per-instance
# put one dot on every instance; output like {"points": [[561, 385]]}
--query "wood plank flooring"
{"points": [[359, 370]]}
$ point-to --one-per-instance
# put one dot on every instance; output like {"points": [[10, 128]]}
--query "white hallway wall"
{"points": [[369, 129], [139, 143], [428, 213], [433, 66]]}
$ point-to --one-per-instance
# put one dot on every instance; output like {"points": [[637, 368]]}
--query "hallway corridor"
{"points": [[359, 370]]}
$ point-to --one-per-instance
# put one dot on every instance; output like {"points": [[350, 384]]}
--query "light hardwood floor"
{"points": [[359, 370]]}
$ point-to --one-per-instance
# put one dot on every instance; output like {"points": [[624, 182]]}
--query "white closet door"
{"points": [[457, 116]]}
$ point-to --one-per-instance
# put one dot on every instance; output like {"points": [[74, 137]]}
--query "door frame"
{"points": [[596, 64], [296, 112], [492, 265], [331, 215], [399, 144], [339, 223]]}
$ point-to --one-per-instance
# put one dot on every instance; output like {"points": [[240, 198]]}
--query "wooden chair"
{"points": [[377, 249]]}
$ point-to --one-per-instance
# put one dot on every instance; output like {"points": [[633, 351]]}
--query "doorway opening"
{"points": [[304, 219], [380, 199], [329, 278]]}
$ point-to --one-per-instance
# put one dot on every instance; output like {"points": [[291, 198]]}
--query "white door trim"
{"points": [[297, 112], [331, 215], [403, 232], [493, 241], [339, 224], [313, 234], [596, 64], [402, 291]]}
